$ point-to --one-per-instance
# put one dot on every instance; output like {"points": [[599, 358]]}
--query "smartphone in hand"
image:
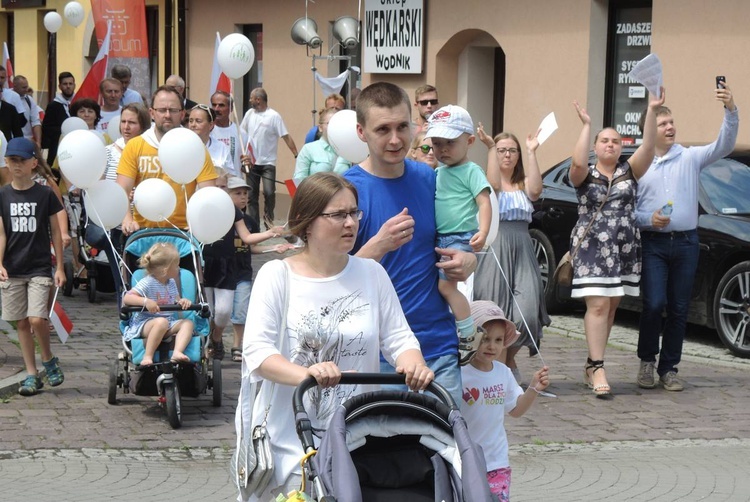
{"points": [[720, 81]]}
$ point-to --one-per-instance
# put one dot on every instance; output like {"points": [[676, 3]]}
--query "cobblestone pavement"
{"points": [[67, 443]]}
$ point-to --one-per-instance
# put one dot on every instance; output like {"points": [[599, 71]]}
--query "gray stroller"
{"points": [[393, 446]]}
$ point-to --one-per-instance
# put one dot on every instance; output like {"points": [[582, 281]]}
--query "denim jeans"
{"points": [[447, 373], [268, 174], [669, 264]]}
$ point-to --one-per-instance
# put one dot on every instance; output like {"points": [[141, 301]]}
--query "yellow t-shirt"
{"points": [[140, 161]]}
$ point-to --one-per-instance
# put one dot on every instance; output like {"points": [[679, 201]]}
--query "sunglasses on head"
{"points": [[425, 148], [425, 102]]}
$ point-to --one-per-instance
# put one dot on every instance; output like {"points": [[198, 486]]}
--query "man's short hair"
{"points": [[120, 71], [260, 92], [179, 79], [381, 95], [659, 111], [18, 79], [167, 89], [225, 94], [424, 89], [109, 81], [63, 75], [337, 97], [2, 68]]}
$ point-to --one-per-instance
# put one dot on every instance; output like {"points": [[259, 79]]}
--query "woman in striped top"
{"points": [[516, 189]]}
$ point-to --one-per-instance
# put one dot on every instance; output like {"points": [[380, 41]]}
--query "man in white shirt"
{"points": [[11, 97], [111, 92], [224, 129], [264, 127], [123, 74], [56, 113], [33, 128]]}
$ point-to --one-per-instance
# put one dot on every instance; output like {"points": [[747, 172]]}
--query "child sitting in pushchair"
{"points": [[159, 287]]}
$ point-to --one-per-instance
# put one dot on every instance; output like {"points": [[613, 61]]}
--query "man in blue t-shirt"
{"points": [[398, 227]]}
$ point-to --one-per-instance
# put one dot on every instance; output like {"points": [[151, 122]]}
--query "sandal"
{"points": [[236, 354], [601, 390]]}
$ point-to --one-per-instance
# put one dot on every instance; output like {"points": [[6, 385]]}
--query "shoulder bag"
{"points": [[251, 467]]}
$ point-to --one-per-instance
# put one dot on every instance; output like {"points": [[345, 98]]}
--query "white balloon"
{"points": [[235, 55], [155, 199], [210, 214], [182, 154], [113, 128], [53, 22], [495, 222], [82, 158], [74, 13], [106, 203], [71, 124], [342, 136]]}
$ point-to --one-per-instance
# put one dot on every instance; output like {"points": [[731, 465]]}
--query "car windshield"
{"points": [[727, 183]]}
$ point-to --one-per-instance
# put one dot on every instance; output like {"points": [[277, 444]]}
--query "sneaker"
{"points": [[30, 385], [467, 347], [54, 374], [670, 381], [646, 375]]}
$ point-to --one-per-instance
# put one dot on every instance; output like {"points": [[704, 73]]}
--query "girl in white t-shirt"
{"points": [[342, 313], [490, 390]]}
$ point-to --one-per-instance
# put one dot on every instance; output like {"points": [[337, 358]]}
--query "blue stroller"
{"points": [[167, 379], [392, 446]]}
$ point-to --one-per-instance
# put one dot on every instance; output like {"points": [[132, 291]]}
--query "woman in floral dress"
{"points": [[608, 263]]}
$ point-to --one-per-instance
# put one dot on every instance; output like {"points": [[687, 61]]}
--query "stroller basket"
{"points": [[394, 446]]}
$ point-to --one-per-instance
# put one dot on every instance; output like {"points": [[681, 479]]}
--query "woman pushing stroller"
{"points": [[328, 312]]}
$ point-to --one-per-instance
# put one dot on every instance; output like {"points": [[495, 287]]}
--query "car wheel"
{"points": [[732, 309], [545, 257]]}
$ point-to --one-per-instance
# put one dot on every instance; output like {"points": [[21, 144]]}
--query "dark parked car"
{"points": [[721, 294]]}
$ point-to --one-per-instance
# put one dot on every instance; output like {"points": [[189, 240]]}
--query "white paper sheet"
{"points": [[648, 72], [547, 127]]}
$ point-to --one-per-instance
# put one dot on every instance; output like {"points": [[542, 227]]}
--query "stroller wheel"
{"points": [[91, 289], [68, 288], [216, 380], [114, 369], [174, 412]]}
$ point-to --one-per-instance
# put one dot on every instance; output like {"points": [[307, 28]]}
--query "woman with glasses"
{"points": [[342, 312], [421, 150], [516, 187], [201, 120], [318, 156]]}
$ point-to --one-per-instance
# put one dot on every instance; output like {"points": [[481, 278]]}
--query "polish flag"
{"points": [[61, 322], [7, 65], [219, 81], [98, 72]]}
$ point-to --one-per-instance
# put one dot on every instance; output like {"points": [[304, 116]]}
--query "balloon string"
{"points": [[198, 246], [121, 261]]}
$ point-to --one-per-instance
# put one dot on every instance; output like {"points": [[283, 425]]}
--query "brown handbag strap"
{"points": [[591, 223]]}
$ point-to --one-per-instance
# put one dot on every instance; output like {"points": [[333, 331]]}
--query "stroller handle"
{"points": [[203, 309], [353, 378]]}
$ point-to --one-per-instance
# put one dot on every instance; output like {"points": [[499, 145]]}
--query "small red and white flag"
{"points": [[219, 81], [7, 65], [98, 72], [61, 322]]}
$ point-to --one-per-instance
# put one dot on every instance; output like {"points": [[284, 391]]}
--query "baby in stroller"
{"points": [[159, 287]]}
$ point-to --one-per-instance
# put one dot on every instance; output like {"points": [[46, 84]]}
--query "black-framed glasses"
{"points": [[340, 216], [503, 151], [425, 102], [164, 111], [425, 148]]}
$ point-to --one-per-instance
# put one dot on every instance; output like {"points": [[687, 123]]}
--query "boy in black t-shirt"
{"points": [[27, 219], [239, 192]]}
